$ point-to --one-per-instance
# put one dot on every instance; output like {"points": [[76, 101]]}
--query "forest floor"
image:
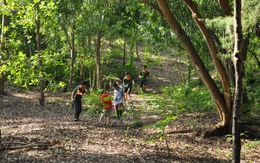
{"points": [[31, 133]]}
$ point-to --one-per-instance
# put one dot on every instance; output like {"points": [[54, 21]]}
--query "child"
{"points": [[76, 97], [106, 99], [119, 83], [128, 83], [118, 100], [144, 75]]}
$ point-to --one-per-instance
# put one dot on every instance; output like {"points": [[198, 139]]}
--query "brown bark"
{"points": [[238, 59], [71, 44], [207, 34], [72, 53], [81, 73], [124, 47], [38, 42], [98, 58], [215, 93], [72, 58], [225, 7], [153, 6], [137, 51], [217, 96], [226, 10], [2, 50]]}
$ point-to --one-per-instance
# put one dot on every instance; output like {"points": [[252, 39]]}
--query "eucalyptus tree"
{"points": [[222, 95]]}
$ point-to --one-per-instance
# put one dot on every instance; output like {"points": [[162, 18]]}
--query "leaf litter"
{"points": [[52, 136]]}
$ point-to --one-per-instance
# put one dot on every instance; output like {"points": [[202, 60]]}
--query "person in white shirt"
{"points": [[118, 100]]}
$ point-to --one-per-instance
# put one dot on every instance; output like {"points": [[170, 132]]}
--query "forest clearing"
{"points": [[32, 133], [191, 66]]}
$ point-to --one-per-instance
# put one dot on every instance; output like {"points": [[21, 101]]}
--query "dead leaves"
{"points": [[49, 135]]}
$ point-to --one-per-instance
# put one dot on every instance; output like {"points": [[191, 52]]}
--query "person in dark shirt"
{"points": [[128, 83], [76, 97], [144, 75]]}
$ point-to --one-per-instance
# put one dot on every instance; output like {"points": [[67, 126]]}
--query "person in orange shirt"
{"points": [[106, 99]]}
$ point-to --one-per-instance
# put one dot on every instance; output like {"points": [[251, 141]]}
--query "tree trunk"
{"points": [[238, 60], [208, 36], [72, 57], [98, 58], [132, 47], [38, 42], [137, 51], [225, 7], [3, 50], [124, 57], [81, 74], [216, 95]]}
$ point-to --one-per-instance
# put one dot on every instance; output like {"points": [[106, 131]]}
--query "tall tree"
{"points": [[38, 47], [238, 59], [2, 50], [68, 18], [98, 75], [222, 96]]}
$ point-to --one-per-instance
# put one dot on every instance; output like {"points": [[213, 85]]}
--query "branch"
{"points": [[67, 35], [257, 60], [24, 146], [225, 7], [156, 8], [208, 36]]}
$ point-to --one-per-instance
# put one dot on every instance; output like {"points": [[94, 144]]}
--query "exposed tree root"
{"points": [[217, 131], [251, 131], [179, 131]]}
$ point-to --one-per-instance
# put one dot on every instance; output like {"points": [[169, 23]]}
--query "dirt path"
{"points": [[58, 139]]}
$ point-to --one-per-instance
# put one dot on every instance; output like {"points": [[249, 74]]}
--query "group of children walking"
{"points": [[122, 92]]}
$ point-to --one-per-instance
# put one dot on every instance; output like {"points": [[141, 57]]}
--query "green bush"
{"points": [[185, 98], [93, 105]]}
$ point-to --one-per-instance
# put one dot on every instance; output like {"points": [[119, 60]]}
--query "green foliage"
{"points": [[160, 125], [93, 104], [251, 144], [188, 98], [250, 15], [23, 71], [251, 107]]}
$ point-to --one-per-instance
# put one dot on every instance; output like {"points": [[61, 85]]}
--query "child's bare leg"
{"points": [[108, 120], [126, 96], [129, 96], [101, 117]]}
